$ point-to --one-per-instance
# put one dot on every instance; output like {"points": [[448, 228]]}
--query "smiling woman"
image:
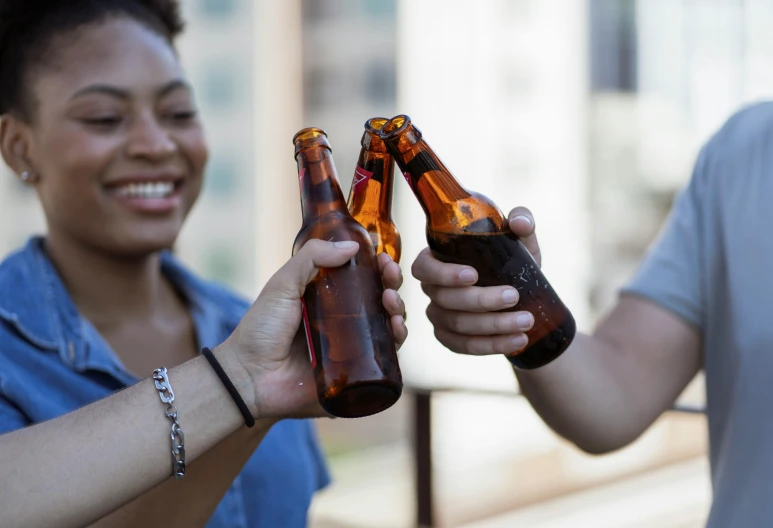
{"points": [[119, 113], [97, 115]]}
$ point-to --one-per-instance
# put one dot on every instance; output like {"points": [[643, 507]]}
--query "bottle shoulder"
{"points": [[475, 213], [334, 227]]}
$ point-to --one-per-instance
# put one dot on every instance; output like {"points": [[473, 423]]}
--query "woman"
{"points": [[98, 117]]}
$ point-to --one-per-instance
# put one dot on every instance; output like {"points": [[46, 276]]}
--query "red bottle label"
{"points": [[308, 328], [361, 178], [407, 176]]}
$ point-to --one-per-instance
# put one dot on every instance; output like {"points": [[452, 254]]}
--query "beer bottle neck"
{"points": [[431, 182], [387, 187], [320, 191], [372, 190]]}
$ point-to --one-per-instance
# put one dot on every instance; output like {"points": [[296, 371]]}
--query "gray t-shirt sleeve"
{"points": [[672, 272]]}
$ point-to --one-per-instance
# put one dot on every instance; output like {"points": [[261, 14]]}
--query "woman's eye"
{"points": [[103, 121], [186, 115]]}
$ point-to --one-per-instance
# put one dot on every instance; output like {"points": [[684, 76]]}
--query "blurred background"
{"points": [[590, 112]]}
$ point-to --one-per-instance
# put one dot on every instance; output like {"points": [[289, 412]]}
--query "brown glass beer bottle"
{"points": [[464, 227], [370, 196], [347, 327]]}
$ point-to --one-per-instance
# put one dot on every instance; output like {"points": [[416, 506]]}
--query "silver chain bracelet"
{"points": [[178, 441]]}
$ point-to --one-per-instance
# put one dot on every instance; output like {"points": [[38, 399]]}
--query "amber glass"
{"points": [[347, 328], [370, 196], [464, 227]]}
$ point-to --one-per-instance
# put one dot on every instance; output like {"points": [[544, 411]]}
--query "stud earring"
{"points": [[25, 175]]}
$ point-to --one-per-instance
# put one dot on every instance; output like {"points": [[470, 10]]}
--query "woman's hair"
{"points": [[28, 29]]}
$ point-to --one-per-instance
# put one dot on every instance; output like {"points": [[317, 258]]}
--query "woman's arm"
{"points": [[73, 470], [191, 502], [105, 462]]}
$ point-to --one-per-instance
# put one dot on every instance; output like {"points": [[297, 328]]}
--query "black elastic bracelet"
{"points": [[249, 420]]}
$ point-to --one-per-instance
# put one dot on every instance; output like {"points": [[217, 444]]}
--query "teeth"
{"points": [[146, 190]]}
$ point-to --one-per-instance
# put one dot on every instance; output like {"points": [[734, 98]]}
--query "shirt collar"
{"points": [[29, 286], [35, 301]]}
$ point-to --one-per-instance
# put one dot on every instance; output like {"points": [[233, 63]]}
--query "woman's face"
{"points": [[115, 144]]}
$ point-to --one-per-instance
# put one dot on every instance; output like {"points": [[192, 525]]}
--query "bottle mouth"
{"points": [[397, 126], [394, 126], [310, 136], [370, 138], [309, 133], [374, 124]]}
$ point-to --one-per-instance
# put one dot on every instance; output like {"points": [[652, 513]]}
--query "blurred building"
{"points": [[220, 239], [349, 59], [499, 92], [665, 75]]}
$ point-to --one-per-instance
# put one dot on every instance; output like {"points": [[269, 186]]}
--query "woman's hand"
{"points": [[270, 340]]}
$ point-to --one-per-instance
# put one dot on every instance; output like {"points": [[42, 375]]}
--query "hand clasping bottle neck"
{"points": [[468, 228]]}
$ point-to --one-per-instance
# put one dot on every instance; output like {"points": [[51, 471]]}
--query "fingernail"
{"points": [[524, 320], [346, 244], [467, 275], [509, 296], [522, 217], [520, 341]]}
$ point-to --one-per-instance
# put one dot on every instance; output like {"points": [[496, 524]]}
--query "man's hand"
{"points": [[465, 316]]}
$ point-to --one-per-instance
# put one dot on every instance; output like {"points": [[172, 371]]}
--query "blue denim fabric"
{"points": [[53, 361]]}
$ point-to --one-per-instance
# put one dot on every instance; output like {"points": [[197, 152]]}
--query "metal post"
{"points": [[422, 442]]}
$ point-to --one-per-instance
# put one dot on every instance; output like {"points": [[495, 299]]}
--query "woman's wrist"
{"points": [[228, 355]]}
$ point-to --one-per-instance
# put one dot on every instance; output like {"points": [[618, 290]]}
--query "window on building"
{"points": [[321, 9], [221, 179], [221, 264], [613, 45], [323, 86], [379, 8], [379, 82], [218, 8], [218, 86]]}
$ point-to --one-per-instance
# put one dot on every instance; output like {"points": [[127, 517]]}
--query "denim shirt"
{"points": [[53, 361]]}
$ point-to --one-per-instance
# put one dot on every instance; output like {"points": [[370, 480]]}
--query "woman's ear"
{"points": [[14, 146]]}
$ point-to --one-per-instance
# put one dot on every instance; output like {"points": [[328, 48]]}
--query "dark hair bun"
{"points": [[27, 28], [168, 13]]}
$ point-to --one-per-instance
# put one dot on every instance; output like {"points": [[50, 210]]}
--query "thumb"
{"points": [[300, 270], [521, 222], [522, 225]]}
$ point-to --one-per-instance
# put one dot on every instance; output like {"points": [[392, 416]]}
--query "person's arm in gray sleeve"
{"points": [[11, 418], [610, 386]]}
